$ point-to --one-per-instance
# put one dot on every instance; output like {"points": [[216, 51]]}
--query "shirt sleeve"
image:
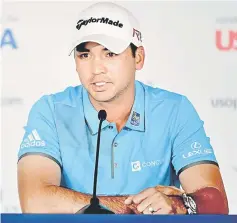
{"points": [[191, 146], [40, 132]]}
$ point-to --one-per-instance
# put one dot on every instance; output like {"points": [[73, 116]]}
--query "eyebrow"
{"points": [[81, 48]]}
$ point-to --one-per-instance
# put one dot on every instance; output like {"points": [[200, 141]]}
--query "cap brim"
{"points": [[115, 45]]}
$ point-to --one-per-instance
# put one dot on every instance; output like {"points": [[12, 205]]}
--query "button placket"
{"points": [[113, 162]]}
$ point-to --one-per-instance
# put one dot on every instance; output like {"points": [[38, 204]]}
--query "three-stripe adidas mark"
{"points": [[33, 140]]}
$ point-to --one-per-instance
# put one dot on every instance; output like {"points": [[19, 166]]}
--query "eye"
{"points": [[83, 55], [110, 54]]}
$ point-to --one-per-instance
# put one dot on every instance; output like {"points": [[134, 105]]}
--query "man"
{"points": [[152, 141]]}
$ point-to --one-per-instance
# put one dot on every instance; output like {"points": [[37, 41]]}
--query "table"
{"points": [[69, 218]]}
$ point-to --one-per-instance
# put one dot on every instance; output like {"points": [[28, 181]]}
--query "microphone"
{"points": [[94, 207]]}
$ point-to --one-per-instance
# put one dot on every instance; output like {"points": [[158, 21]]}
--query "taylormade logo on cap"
{"points": [[107, 24], [82, 22]]}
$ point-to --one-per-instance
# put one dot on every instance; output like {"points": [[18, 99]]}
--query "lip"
{"points": [[100, 88], [94, 82]]}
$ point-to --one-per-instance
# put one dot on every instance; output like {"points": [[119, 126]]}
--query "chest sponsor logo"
{"points": [[138, 165], [135, 120]]}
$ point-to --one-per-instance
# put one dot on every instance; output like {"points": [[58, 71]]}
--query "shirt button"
{"points": [[115, 165], [115, 144], [110, 127]]}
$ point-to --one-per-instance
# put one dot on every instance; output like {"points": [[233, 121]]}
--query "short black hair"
{"points": [[133, 48], [81, 48]]}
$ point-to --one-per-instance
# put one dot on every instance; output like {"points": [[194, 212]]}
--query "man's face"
{"points": [[104, 74]]}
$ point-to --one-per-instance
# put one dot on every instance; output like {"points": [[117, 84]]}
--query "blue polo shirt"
{"points": [[162, 137]]}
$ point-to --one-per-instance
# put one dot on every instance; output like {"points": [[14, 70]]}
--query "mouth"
{"points": [[99, 83], [100, 86]]}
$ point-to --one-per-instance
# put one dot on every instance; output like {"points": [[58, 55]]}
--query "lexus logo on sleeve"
{"points": [[197, 150], [196, 145]]}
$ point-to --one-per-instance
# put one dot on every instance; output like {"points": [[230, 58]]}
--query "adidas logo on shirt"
{"points": [[33, 140]]}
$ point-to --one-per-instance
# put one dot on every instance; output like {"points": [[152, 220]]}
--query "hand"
{"points": [[117, 205], [152, 201]]}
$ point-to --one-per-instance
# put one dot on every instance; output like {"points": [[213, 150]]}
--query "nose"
{"points": [[98, 67]]}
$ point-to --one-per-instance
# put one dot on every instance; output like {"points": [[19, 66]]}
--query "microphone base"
{"points": [[94, 209]]}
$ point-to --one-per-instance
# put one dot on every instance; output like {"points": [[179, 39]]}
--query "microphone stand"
{"points": [[94, 207]]}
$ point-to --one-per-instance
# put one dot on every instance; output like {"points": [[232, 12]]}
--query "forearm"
{"points": [[55, 199], [117, 205], [209, 200]]}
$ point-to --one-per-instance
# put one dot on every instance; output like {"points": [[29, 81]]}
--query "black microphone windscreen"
{"points": [[102, 115]]}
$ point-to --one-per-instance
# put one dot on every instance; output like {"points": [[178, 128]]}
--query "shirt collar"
{"points": [[136, 120]]}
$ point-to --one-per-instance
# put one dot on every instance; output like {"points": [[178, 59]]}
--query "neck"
{"points": [[119, 109]]}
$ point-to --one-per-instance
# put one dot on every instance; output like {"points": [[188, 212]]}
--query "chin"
{"points": [[102, 98]]}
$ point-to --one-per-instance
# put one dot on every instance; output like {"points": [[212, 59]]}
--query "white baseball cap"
{"points": [[108, 24]]}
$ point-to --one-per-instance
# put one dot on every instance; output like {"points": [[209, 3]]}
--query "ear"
{"points": [[139, 58]]}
